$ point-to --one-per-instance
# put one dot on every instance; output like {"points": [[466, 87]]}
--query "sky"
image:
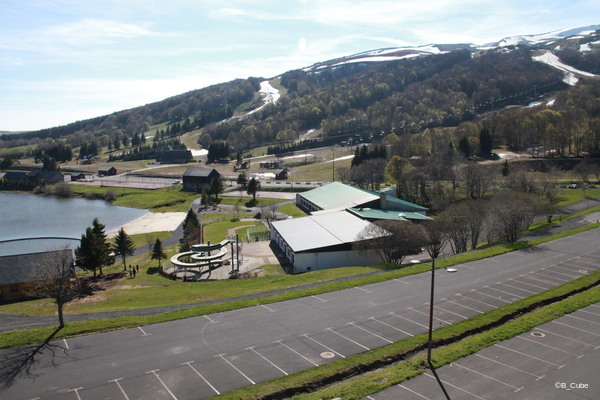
{"points": [[68, 60]]}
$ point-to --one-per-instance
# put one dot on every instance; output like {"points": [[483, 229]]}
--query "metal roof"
{"points": [[319, 231], [372, 213], [201, 172], [22, 268], [337, 195]]}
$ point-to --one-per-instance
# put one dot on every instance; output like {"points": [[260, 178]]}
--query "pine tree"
{"points": [[102, 244], [157, 252], [124, 246]]}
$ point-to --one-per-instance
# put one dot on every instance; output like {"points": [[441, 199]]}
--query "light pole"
{"points": [[430, 341]]}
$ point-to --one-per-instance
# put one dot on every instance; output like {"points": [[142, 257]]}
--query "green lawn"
{"points": [[292, 210], [158, 200], [217, 231]]}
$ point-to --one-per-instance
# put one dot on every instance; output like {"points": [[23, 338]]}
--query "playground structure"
{"points": [[200, 261]]}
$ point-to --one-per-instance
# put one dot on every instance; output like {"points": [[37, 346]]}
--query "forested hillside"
{"points": [[453, 94]]}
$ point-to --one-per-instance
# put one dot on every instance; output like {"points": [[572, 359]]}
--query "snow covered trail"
{"points": [[270, 95], [570, 72]]}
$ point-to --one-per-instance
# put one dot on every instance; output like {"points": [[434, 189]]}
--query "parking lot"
{"points": [[203, 356], [556, 360]]}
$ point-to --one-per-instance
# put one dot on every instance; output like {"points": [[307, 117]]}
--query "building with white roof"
{"points": [[339, 213], [322, 241]]}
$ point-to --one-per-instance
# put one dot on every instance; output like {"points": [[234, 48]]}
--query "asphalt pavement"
{"points": [[203, 356]]}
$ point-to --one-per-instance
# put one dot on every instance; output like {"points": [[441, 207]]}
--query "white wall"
{"points": [[334, 259]]}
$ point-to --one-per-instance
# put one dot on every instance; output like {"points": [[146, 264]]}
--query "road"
{"points": [[203, 356]]}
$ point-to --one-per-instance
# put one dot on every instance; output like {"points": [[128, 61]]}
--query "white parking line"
{"points": [[401, 281], [270, 309], [144, 333], [566, 269], [528, 284], [504, 291], [347, 338], [583, 319], [544, 273], [516, 389], [451, 312], [561, 273], [552, 347], [589, 312], [234, 367], [66, 344], [493, 297], [528, 355], [568, 338], [120, 387], [320, 299], [467, 307], [368, 331], [537, 378], [479, 301], [288, 347], [364, 290], [266, 359], [321, 344], [456, 387], [579, 329], [189, 364], [409, 320], [594, 305], [162, 383], [518, 288], [208, 318], [76, 392], [427, 315], [413, 392], [537, 278], [391, 326]]}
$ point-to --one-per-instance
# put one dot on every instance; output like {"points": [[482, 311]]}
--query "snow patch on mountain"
{"points": [[269, 93], [570, 72]]}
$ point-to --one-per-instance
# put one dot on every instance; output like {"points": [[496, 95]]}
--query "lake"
{"points": [[32, 216]]}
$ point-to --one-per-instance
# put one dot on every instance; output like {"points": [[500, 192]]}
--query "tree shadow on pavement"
{"points": [[19, 361]]}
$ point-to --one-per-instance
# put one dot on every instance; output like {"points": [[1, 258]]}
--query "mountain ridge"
{"points": [[407, 90]]}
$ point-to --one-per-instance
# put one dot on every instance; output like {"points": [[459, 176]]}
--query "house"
{"points": [[245, 165], [270, 164], [46, 175], [107, 171], [77, 177], [19, 272], [322, 241], [15, 176], [195, 179], [175, 157], [281, 174]]}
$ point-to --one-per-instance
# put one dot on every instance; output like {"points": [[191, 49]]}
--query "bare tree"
{"points": [[393, 240], [268, 213], [512, 213], [55, 278], [477, 181]]}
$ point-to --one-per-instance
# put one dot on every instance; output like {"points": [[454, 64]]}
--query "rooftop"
{"points": [[322, 230]]}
